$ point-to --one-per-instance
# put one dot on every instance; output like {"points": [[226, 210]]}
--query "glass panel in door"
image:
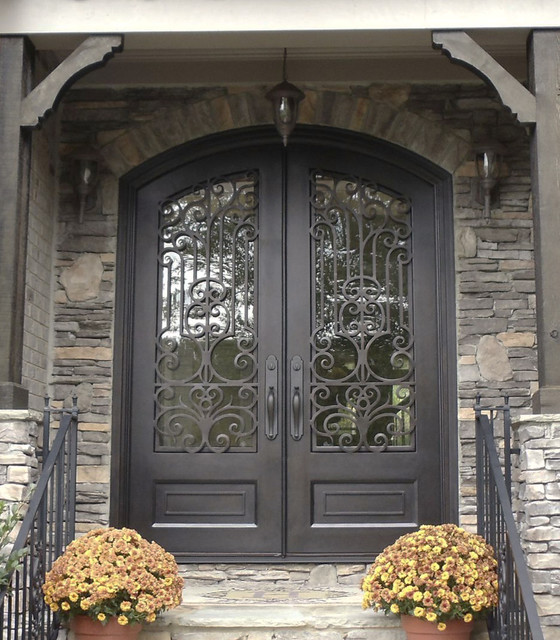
{"points": [[362, 359], [207, 379]]}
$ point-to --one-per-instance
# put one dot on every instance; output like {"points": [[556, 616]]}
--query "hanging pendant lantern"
{"points": [[285, 98]]}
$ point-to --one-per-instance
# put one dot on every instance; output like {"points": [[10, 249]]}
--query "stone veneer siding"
{"points": [[536, 502], [245, 576], [18, 453], [37, 327], [494, 257]]}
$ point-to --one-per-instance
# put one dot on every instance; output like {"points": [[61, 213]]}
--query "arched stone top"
{"points": [[386, 120]]}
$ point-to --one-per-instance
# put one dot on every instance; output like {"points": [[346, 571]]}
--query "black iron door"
{"points": [[364, 450], [286, 398]]}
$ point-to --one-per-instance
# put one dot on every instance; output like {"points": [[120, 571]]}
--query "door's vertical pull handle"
{"points": [[271, 383], [270, 402], [296, 408], [296, 384]]}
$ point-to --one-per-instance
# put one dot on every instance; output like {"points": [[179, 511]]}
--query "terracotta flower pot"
{"points": [[419, 629], [85, 628]]}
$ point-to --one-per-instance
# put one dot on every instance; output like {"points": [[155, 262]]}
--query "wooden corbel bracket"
{"points": [[92, 53], [460, 47]]}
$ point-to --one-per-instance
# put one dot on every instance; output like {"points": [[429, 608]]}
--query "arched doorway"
{"points": [[287, 374]]}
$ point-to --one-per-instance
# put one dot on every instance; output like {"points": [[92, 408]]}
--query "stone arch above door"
{"points": [[380, 116]]}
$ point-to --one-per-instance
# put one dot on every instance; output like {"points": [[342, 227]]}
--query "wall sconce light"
{"points": [[488, 167], [285, 98], [86, 172]]}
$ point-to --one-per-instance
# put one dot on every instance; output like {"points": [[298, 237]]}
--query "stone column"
{"points": [[536, 503], [18, 448]]}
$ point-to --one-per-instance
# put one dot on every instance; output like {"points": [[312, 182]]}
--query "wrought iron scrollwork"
{"points": [[206, 386], [362, 357]]}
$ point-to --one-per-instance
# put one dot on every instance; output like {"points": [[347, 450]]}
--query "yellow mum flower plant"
{"points": [[438, 573], [113, 573]]}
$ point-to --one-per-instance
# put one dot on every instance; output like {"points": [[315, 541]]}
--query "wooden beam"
{"points": [[461, 48], [15, 73], [542, 108], [92, 53], [545, 172], [21, 110]]}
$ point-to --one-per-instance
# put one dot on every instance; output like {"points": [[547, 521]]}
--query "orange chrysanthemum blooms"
{"points": [[113, 573], [453, 574]]}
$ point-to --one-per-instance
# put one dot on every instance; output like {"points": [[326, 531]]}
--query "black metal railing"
{"points": [[516, 616], [48, 526]]}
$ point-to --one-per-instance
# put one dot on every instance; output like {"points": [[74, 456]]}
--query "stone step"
{"points": [[274, 621], [287, 602], [241, 610], [275, 614]]}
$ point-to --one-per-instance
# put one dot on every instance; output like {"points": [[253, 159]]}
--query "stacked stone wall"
{"points": [[494, 256], [37, 328], [536, 502], [496, 307], [18, 451], [247, 576], [82, 359]]}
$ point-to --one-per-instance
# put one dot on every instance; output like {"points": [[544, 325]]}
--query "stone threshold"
{"points": [[290, 594]]}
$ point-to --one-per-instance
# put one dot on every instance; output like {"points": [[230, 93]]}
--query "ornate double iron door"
{"points": [[290, 406]]}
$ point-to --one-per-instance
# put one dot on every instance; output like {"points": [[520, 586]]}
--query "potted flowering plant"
{"points": [[440, 574], [112, 579]]}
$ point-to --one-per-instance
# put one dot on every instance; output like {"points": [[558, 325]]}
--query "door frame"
{"points": [[190, 152]]}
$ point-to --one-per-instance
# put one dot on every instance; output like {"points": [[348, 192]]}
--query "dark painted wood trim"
{"points": [[15, 79], [91, 54], [122, 363], [447, 332], [461, 48], [545, 149], [22, 108]]}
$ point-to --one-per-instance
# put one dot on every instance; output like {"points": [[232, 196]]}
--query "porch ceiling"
{"points": [[325, 57], [247, 16]]}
